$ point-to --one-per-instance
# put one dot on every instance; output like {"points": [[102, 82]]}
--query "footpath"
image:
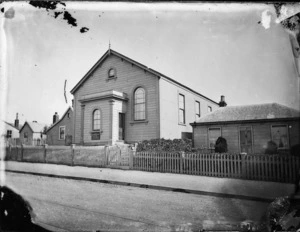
{"points": [[219, 187]]}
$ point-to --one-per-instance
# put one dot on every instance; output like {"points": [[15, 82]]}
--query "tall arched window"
{"points": [[96, 120], [139, 104]]}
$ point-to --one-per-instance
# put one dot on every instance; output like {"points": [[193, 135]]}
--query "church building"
{"points": [[122, 101]]}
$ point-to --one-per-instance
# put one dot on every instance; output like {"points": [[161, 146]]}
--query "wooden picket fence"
{"points": [[278, 168]]}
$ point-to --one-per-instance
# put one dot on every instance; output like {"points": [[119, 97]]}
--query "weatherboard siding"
{"points": [[129, 77], [53, 133], [261, 134], [27, 129], [170, 128]]}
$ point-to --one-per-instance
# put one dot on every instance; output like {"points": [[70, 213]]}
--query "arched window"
{"points": [[139, 104], [96, 120], [112, 73]]}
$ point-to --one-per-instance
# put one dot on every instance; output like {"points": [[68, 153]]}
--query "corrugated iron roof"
{"points": [[250, 112]]}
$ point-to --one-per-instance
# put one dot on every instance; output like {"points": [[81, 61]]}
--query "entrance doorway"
{"points": [[121, 126], [246, 139]]}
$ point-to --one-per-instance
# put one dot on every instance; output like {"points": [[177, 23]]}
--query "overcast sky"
{"points": [[215, 49]]}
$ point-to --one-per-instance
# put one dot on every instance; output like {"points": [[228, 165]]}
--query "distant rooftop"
{"points": [[249, 112], [36, 127]]}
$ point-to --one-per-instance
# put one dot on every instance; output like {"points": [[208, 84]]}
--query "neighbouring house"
{"points": [[121, 100], [248, 128], [33, 133], [60, 133], [10, 132]]}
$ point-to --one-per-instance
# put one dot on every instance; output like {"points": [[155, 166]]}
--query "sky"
{"points": [[235, 50]]}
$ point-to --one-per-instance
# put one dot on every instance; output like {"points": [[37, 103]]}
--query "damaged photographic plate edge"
{"points": [[288, 15]]}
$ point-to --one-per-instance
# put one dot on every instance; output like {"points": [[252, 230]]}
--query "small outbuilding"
{"points": [[60, 133], [249, 128]]}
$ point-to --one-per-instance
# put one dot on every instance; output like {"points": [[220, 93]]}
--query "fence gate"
{"points": [[118, 156]]}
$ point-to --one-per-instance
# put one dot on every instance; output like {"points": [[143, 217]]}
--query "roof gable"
{"points": [[270, 111], [154, 72], [34, 126], [70, 109], [11, 125]]}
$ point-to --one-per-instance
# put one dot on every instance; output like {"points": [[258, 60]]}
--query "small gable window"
{"points": [[112, 73]]}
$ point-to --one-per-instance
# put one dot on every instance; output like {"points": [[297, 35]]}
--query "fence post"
{"points": [[131, 154], [244, 168], [106, 154], [72, 154], [181, 161], [8, 156], [45, 152], [22, 151]]}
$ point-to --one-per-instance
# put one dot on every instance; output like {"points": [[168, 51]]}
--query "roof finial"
{"points": [[109, 45]]}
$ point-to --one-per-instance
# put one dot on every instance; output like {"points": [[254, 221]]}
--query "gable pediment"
{"points": [[103, 59]]}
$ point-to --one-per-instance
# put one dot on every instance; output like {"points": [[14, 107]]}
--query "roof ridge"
{"points": [[69, 108], [154, 72]]}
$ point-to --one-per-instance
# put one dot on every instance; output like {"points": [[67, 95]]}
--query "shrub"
{"points": [[295, 150], [167, 145], [221, 145], [271, 148]]}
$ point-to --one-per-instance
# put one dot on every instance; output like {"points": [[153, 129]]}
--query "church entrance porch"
{"points": [[103, 118]]}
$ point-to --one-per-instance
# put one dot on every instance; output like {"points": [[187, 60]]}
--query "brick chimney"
{"points": [[222, 103], [17, 121], [55, 117]]}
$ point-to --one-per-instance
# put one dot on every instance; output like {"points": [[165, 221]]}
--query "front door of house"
{"points": [[121, 126], [246, 139]]}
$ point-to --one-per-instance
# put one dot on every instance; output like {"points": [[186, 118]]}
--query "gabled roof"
{"points": [[34, 126], [155, 73], [11, 124], [70, 108], [270, 111]]}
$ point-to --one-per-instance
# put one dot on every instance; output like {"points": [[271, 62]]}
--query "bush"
{"points": [[295, 150], [221, 145], [167, 145], [271, 148]]}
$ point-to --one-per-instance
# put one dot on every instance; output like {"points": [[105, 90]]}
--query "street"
{"points": [[74, 205]]}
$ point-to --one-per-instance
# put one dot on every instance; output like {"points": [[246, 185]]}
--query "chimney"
{"points": [[222, 103], [55, 117], [17, 121]]}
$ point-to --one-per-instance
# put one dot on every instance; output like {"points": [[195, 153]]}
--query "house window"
{"points": [[62, 131], [96, 120], [181, 109], [197, 106], [8, 134], [139, 104], [213, 135], [280, 135], [26, 136], [209, 109], [111, 73]]}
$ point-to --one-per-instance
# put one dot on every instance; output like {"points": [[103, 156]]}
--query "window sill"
{"points": [[111, 78], [181, 124], [139, 122]]}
